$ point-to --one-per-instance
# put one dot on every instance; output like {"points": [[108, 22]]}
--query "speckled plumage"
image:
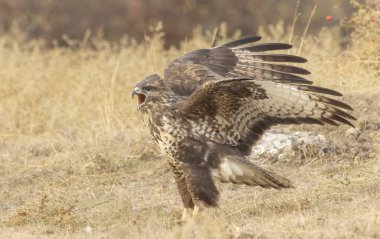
{"points": [[213, 105]]}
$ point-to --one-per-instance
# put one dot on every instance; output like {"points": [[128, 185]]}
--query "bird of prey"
{"points": [[213, 105]]}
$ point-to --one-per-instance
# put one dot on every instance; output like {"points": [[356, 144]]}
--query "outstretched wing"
{"points": [[236, 59], [238, 111]]}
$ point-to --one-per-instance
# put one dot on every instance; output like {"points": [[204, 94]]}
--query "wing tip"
{"points": [[267, 47], [241, 41]]}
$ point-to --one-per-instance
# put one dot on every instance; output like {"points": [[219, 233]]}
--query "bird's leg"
{"points": [[182, 188], [195, 211], [198, 208], [200, 186], [185, 214]]}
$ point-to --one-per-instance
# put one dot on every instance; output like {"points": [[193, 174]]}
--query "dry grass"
{"points": [[77, 162]]}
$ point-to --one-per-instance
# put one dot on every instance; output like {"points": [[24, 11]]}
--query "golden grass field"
{"points": [[77, 162]]}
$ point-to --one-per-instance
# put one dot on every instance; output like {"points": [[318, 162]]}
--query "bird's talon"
{"points": [[184, 214], [195, 211]]}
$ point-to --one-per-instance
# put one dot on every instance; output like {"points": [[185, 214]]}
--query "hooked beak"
{"points": [[135, 91]]}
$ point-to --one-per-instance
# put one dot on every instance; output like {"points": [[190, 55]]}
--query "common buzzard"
{"points": [[213, 105]]}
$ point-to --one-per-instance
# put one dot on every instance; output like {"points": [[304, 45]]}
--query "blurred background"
{"points": [[50, 19]]}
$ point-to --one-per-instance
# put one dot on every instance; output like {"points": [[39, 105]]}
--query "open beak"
{"points": [[141, 97]]}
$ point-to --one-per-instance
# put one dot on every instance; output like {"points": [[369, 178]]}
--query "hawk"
{"points": [[213, 105]]}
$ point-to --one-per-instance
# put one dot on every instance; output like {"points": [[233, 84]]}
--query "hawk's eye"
{"points": [[147, 88]]}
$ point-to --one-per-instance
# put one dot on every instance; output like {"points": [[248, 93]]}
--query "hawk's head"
{"points": [[149, 90]]}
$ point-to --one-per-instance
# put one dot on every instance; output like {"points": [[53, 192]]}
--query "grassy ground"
{"points": [[76, 161]]}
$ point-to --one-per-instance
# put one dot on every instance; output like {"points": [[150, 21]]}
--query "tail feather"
{"points": [[240, 171]]}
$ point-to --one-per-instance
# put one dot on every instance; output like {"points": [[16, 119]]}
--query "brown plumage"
{"points": [[214, 104]]}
